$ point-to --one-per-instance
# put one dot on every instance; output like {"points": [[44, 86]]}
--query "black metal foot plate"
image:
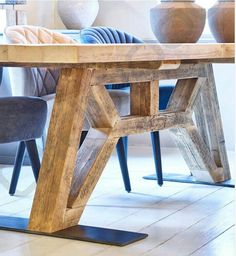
{"points": [[173, 177], [78, 232]]}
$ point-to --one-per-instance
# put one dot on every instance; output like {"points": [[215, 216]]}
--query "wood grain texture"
{"points": [[144, 98], [134, 75], [136, 124], [188, 242], [92, 158], [214, 122], [201, 122], [55, 177], [197, 155], [101, 111], [75, 54], [194, 149], [209, 122], [185, 93]]}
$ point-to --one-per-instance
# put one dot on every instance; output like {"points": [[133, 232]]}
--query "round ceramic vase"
{"points": [[221, 21], [77, 14], [177, 21]]}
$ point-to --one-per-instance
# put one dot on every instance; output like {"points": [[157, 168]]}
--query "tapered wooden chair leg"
{"points": [[34, 157], [17, 167], [121, 148], [155, 136]]}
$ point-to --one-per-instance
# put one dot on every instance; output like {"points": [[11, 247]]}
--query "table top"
{"points": [[72, 54]]}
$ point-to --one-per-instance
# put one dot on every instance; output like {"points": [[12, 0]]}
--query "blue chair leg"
{"points": [[121, 148], [157, 156], [34, 157], [125, 142], [17, 167], [82, 137]]}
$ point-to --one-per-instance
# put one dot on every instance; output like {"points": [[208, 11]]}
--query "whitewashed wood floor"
{"points": [[181, 219]]}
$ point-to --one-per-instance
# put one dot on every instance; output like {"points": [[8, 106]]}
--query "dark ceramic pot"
{"points": [[221, 21], [177, 21]]}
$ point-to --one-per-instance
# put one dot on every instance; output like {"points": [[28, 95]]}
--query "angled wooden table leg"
{"points": [[214, 123], [50, 201], [193, 147], [208, 119]]}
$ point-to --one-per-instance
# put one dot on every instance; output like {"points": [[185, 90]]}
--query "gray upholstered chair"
{"points": [[22, 120]]}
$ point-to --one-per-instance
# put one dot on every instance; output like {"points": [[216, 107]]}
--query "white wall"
{"points": [[41, 12], [133, 17]]}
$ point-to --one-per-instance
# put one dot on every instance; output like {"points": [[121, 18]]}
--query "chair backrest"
{"points": [[106, 35], [37, 81]]}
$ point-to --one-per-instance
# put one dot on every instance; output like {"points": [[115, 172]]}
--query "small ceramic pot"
{"points": [[77, 14], [221, 21], [177, 21]]}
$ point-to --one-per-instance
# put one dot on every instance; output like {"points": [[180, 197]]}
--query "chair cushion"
{"points": [[22, 118]]}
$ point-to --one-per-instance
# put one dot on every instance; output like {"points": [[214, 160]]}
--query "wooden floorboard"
{"points": [[224, 244], [197, 235]]}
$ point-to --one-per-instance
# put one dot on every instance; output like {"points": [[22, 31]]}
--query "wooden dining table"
{"points": [[68, 175]]}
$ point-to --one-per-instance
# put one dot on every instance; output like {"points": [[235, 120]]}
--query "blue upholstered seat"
{"points": [[106, 35]]}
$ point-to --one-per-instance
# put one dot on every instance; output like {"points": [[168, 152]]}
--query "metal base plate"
{"points": [[78, 232], [173, 177]]}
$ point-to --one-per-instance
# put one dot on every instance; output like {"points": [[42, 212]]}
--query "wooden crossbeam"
{"points": [[136, 124], [133, 75]]}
